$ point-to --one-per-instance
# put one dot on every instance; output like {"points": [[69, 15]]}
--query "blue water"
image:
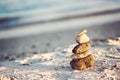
{"points": [[12, 6], [13, 11]]}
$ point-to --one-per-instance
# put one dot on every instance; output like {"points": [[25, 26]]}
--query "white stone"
{"points": [[82, 38]]}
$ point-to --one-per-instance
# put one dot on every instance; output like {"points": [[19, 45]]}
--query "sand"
{"points": [[55, 65]]}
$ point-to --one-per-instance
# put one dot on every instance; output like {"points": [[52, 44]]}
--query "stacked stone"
{"points": [[82, 57]]}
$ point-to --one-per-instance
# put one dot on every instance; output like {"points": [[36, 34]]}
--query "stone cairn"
{"points": [[82, 57]]}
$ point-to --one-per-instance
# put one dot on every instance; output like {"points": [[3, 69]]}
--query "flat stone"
{"points": [[80, 48], [82, 55]]}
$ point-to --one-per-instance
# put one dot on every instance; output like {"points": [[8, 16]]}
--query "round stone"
{"points": [[82, 63]]}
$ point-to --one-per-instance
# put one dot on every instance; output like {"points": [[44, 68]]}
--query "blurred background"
{"points": [[42, 25]]}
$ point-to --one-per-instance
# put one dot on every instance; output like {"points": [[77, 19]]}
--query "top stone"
{"points": [[82, 37]]}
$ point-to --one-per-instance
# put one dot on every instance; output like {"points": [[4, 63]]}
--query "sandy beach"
{"points": [[55, 65]]}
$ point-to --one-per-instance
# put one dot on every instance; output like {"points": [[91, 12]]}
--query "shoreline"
{"points": [[45, 42]]}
